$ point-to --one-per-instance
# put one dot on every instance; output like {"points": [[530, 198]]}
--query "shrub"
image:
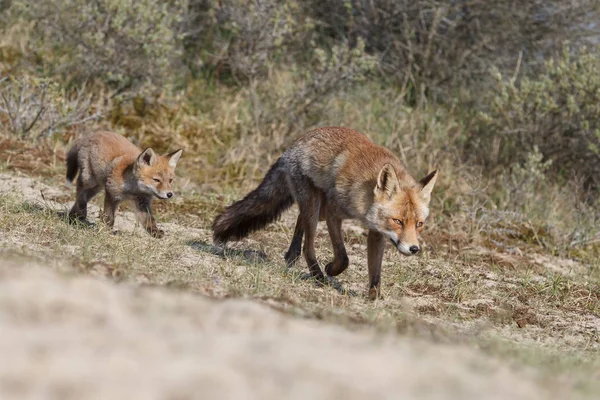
{"points": [[293, 104], [432, 46], [557, 112], [244, 38], [33, 108], [130, 44]]}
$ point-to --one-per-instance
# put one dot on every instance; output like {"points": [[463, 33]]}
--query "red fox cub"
{"points": [[334, 174], [108, 160]]}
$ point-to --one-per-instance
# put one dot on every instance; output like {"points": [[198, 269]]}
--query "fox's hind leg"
{"points": [[340, 258], [295, 248], [82, 197], [309, 202], [310, 220]]}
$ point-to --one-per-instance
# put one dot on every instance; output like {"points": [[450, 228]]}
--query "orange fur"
{"points": [[333, 174], [106, 160]]}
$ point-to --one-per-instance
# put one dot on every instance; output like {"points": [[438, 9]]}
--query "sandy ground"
{"points": [[76, 337]]}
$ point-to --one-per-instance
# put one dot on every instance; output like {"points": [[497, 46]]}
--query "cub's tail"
{"points": [[259, 208], [72, 164]]}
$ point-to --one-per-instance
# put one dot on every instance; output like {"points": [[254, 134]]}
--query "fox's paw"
{"points": [[80, 221], [318, 276], [291, 258], [374, 293], [332, 269], [157, 233], [329, 270]]}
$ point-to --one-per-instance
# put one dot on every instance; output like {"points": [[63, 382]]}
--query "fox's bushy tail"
{"points": [[259, 208], [72, 164]]}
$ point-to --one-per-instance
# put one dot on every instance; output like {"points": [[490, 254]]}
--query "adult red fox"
{"points": [[108, 160], [334, 174]]}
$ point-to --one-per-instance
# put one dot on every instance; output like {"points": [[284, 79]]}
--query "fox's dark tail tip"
{"points": [[246, 216], [255, 211], [221, 234], [72, 166]]}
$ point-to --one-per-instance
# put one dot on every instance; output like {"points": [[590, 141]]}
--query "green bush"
{"points": [[558, 112], [427, 48], [431, 47], [242, 38], [298, 102], [130, 44]]}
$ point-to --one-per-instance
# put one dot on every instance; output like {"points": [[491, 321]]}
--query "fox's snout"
{"points": [[165, 195], [159, 190], [407, 250]]}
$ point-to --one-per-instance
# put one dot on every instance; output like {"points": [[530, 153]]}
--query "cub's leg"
{"points": [[143, 212], [82, 197]]}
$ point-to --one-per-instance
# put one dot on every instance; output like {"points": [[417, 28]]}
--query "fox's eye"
{"points": [[419, 224], [170, 180], [156, 180], [397, 221]]}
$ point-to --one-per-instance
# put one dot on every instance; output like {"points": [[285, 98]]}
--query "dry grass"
{"points": [[533, 309], [29, 158]]}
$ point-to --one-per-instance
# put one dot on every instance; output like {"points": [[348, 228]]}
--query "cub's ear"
{"points": [[387, 182], [174, 157], [148, 157], [426, 184]]}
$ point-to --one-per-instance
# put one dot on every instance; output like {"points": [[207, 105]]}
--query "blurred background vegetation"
{"points": [[503, 96]]}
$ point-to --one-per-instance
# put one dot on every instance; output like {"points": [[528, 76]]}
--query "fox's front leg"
{"points": [[375, 248], [340, 258], [111, 205], [143, 212]]}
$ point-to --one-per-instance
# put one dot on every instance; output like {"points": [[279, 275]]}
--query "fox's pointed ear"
{"points": [[426, 184], [148, 157], [387, 181], [174, 157]]}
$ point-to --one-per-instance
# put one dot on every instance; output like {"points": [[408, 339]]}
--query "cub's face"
{"points": [[156, 173]]}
